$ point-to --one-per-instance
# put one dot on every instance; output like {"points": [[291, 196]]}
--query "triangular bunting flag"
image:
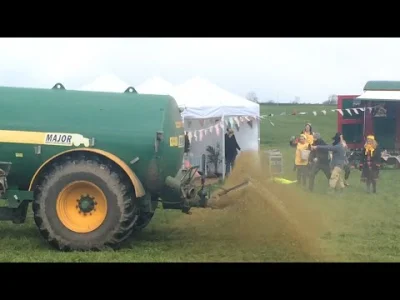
{"points": [[217, 129]]}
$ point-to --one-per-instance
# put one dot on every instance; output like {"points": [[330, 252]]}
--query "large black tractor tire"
{"points": [[62, 185], [144, 218]]}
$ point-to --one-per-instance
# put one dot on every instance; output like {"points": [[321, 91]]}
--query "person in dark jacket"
{"points": [[187, 143], [319, 160], [370, 163], [231, 147], [346, 167], [336, 182]]}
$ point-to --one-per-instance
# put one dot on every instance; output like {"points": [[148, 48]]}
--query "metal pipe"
{"points": [[223, 147]]}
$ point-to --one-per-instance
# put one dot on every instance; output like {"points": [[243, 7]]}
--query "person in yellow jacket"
{"points": [[370, 163], [309, 134], [301, 160]]}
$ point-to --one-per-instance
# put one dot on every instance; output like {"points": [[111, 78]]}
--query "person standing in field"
{"points": [[308, 133], [319, 160], [370, 163], [347, 162], [231, 147], [336, 182], [301, 160]]}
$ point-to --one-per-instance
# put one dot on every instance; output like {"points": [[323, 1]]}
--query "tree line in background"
{"points": [[252, 96]]}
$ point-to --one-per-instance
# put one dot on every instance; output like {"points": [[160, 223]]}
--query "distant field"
{"points": [[362, 227], [288, 125]]}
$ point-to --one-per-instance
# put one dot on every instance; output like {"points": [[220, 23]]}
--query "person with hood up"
{"points": [[370, 163], [231, 147], [301, 160], [319, 160], [336, 182]]}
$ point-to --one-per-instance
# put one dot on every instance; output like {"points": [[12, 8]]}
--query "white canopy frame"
{"points": [[202, 100], [248, 137]]}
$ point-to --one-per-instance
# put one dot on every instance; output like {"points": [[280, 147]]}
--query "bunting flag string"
{"points": [[218, 127], [347, 111], [236, 122]]}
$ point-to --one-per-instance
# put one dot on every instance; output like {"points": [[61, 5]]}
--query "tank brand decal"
{"points": [[43, 138], [178, 124], [19, 154], [65, 139], [181, 141], [173, 141]]}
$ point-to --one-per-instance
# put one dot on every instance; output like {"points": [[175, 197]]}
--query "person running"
{"points": [[336, 182], [319, 160], [370, 163]]}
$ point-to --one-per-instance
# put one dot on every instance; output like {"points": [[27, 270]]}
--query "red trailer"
{"points": [[377, 112]]}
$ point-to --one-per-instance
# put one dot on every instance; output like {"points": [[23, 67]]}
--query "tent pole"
{"points": [[185, 155], [223, 147], [259, 133]]}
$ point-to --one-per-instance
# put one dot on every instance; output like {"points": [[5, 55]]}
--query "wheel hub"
{"points": [[86, 204]]}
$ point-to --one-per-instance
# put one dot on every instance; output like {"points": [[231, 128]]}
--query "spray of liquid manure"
{"points": [[255, 211]]}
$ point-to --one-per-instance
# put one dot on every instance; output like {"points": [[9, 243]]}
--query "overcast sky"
{"points": [[311, 69]]}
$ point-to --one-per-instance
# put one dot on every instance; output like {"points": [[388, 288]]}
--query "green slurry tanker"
{"points": [[93, 164]]}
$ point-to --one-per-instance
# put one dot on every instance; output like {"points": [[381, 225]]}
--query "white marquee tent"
{"points": [[155, 85], [203, 99], [106, 83], [208, 110]]}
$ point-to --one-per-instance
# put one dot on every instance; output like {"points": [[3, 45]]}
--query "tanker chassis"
{"points": [[94, 165]]}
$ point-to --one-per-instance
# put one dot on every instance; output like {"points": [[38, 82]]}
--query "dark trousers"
{"points": [[229, 164], [314, 169], [370, 175], [346, 171], [302, 174]]}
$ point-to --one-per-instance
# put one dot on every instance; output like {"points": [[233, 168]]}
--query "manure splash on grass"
{"points": [[262, 214]]}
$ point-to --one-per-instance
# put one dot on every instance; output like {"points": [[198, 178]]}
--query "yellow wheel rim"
{"points": [[81, 206]]}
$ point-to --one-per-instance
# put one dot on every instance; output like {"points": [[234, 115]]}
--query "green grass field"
{"points": [[362, 227]]}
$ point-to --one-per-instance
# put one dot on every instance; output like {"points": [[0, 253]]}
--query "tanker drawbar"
{"points": [[184, 191]]}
